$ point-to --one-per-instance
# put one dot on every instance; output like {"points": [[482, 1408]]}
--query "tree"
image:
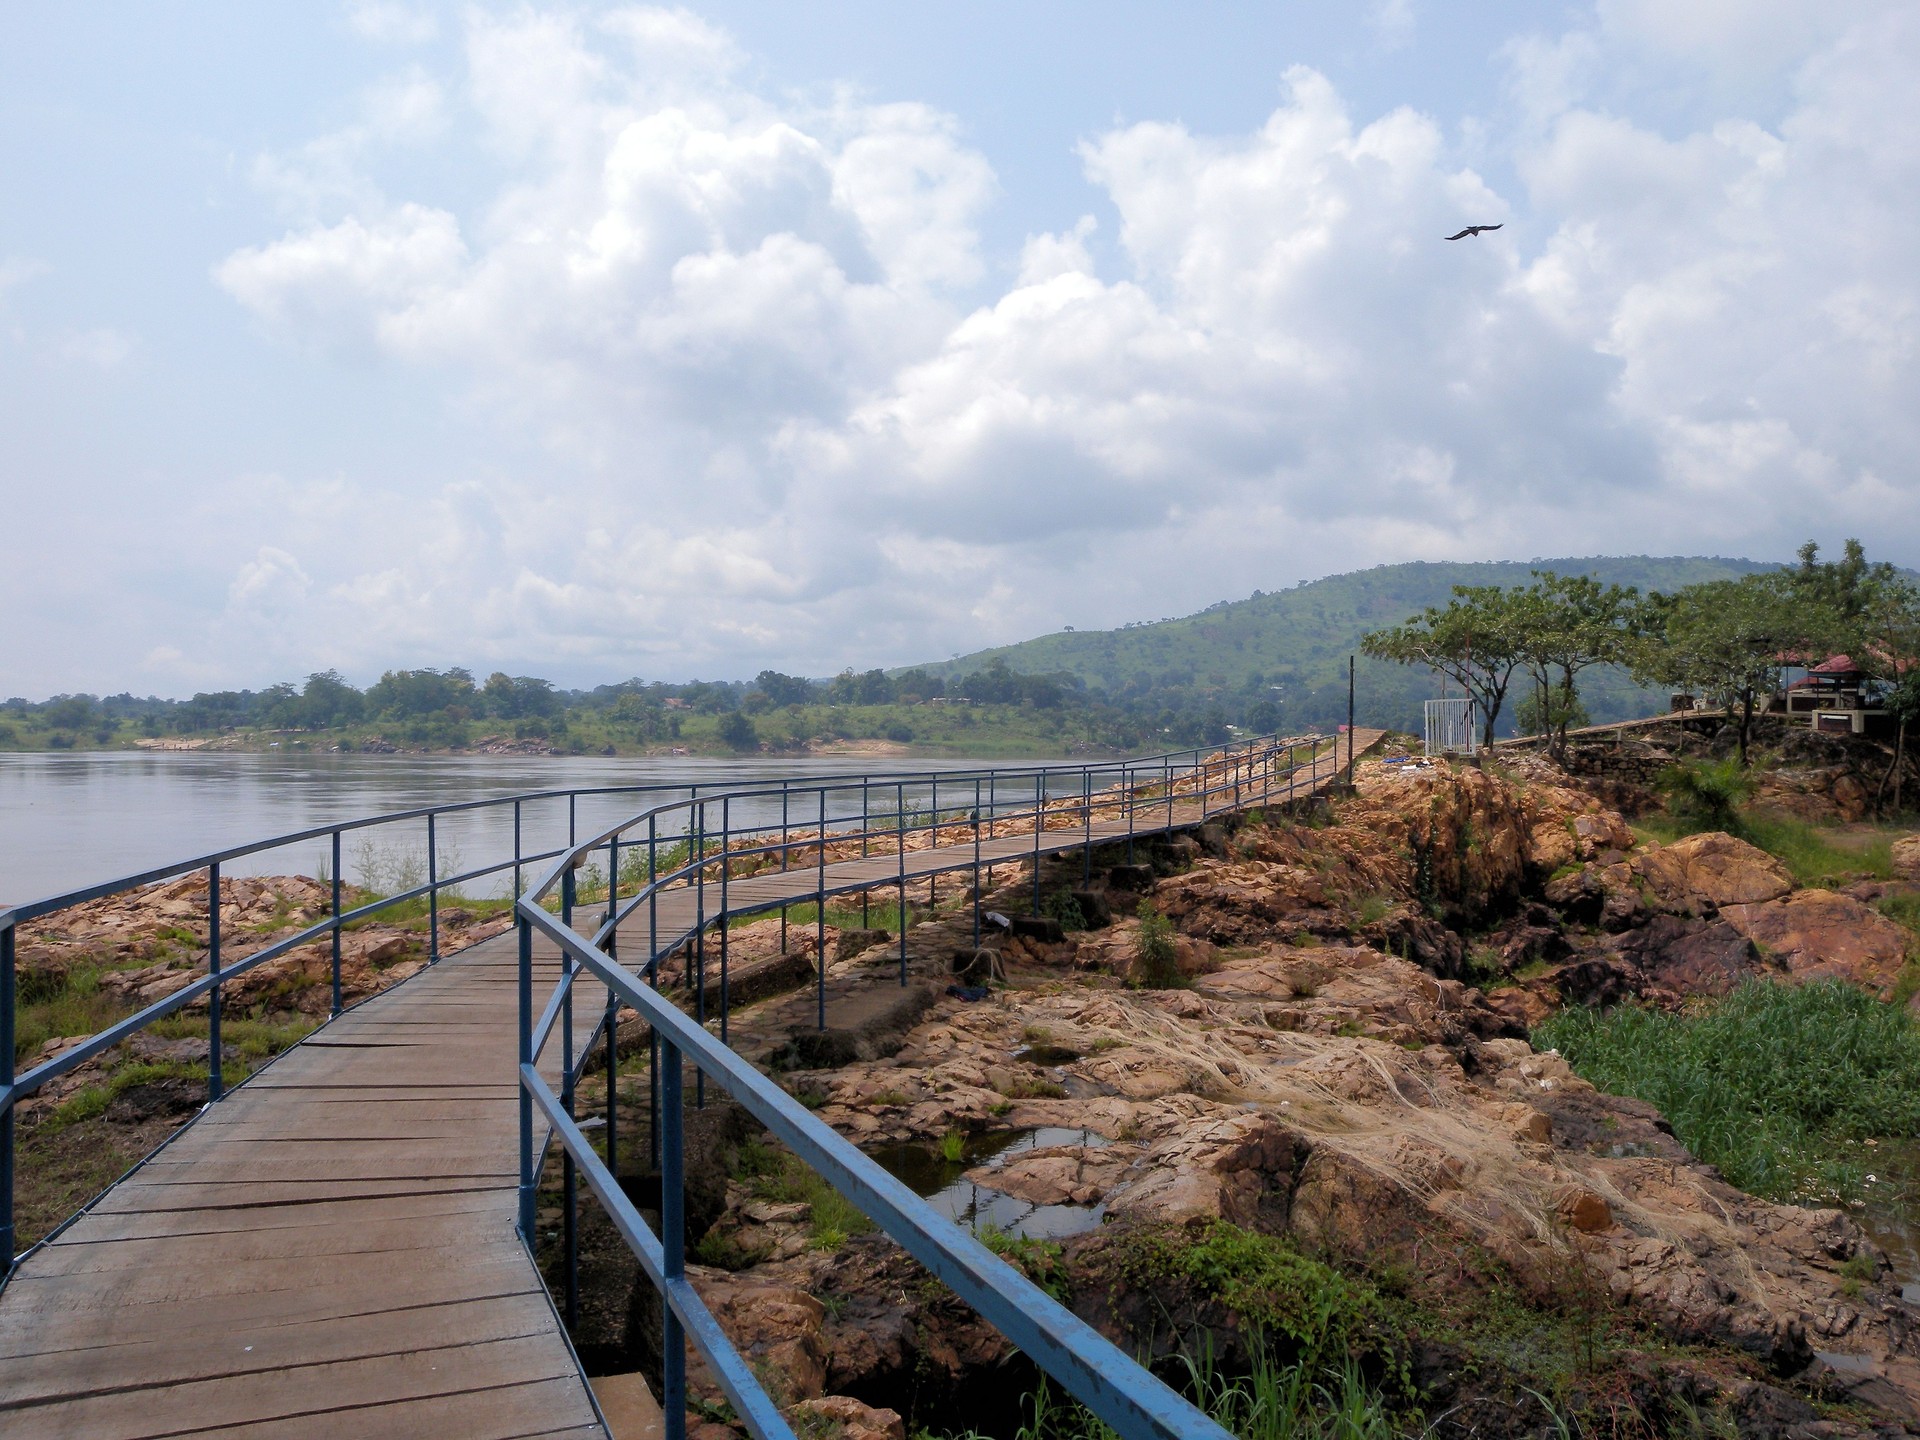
{"points": [[783, 690], [738, 732], [1473, 641], [1564, 624], [1883, 639], [1730, 639]]}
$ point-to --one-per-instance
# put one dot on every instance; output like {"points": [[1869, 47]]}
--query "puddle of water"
{"points": [[1892, 1213], [942, 1183], [1047, 1055]]}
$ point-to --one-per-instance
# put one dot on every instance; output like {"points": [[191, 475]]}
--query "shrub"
{"points": [[1710, 793], [1156, 962]]}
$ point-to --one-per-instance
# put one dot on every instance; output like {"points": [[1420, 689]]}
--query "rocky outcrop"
{"points": [[1818, 935]]}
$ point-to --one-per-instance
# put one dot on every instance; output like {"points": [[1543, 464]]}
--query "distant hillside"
{"points": [[1291, 646]]}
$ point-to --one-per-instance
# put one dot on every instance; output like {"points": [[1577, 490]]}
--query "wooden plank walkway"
{"points": [[331, 1250]]}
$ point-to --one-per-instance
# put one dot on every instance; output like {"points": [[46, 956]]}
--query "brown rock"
{"points": [[1906, 857], [779, 1328], [1818, 935], [1584, 1211], [856, 1421], [1714, 869]]}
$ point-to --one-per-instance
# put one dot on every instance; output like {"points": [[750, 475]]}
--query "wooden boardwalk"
{"points": [[331, 1251]]}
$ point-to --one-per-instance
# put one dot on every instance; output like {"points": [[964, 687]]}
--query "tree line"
{"points": [[1728, 641]]}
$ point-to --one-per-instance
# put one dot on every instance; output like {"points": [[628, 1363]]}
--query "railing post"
{"points": [[653, 977], [784, 844], [866, 915], [699, 956], [1086, 811], [976, 863], [569, 1181], [433, 894], [7, 1001], [216, 1082], [1039, 819], [516, 850], [900, 825], [336, 922], [613, 877], [820, 920], [673, 1235], [726, 867], [526, 1100]]}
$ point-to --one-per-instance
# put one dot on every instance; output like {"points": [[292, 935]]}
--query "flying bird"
{"points": [[1474, 230]]}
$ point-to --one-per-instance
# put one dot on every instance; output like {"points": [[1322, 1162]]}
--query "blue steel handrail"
{"points": [[15, 1087], [1121, 1393]]}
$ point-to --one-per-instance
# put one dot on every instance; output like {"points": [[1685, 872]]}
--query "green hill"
{"points": [[1290, 647]]}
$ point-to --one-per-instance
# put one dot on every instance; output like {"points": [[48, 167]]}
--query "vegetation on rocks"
{"points": [[1776, 1085]]}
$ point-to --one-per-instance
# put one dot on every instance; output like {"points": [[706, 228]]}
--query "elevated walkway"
{"points": [[332, 1250]]}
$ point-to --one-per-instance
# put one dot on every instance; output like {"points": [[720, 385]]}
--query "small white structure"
{"points": [[1450, 728]]}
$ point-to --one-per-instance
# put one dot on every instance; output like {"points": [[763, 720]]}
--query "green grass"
{"points": [[76, 1006], [775, 1174], [1775, 1085], [879, 916], [1810, 852], [92, 1101]]}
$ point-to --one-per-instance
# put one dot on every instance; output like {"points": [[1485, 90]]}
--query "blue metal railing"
{"points": [[1150, 796], [223, 967]]}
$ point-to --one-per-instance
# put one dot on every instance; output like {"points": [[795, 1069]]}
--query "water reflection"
{"points": [[68, 820]]}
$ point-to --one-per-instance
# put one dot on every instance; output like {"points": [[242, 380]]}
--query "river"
{"points": [[74, 819]]}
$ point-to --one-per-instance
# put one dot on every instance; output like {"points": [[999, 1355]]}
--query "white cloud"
{"points": [[785, 428]]}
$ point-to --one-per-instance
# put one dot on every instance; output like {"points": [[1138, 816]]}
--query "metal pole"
{"points": [[653, 976], [526, 1100], [726, 832], [433, 895], [215, 1081], [783, 861], [336, 922], [700, 947], [976, 864], [1349, 719], [900, 827], [866, 916], [820, 920], [516, 850], [7, 1002], [569, 1182], [673, 1235], [1039, 813], [613, 877], [1086, 811]]}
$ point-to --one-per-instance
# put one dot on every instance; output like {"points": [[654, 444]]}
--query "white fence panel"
{"points": [[1450, 729]]}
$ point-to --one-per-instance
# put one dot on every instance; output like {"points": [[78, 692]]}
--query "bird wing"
{"points": [[1462, 235], [1489, 227]]}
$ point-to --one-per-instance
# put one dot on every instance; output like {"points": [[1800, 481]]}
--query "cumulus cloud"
{"points": [[792, 419]]}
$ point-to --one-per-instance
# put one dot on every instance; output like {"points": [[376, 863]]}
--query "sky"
{"points": [[596, 341]]}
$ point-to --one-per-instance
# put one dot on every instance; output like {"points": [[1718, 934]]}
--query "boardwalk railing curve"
{"points": [[988, 826]]}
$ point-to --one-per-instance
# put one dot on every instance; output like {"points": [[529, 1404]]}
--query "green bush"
{"points": [[1709, 793], [1774, 1084], [1156, 962]]}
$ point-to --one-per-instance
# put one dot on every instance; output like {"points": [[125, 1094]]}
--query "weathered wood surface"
{"points": [[331, 1250]]}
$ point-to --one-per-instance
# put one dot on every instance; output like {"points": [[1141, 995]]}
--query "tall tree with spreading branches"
{"points": [[1472, 641]]}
